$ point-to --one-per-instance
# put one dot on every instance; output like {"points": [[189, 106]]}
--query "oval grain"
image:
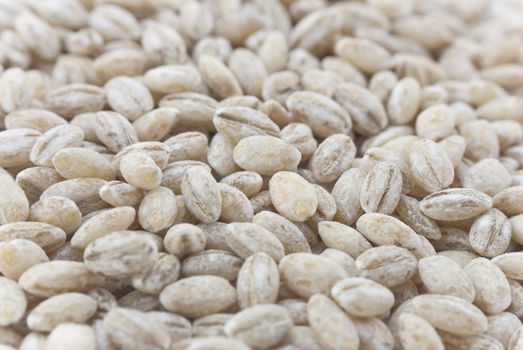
{"points": [[455, 204], [308, 274], [207, 295], [333, 329]]}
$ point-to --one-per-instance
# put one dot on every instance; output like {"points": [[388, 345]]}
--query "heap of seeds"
{"points": [[261, 174]]}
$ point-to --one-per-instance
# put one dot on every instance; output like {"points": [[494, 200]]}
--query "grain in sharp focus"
{"points": [[265, 155], [455, 204], [381, 189], [325, 116], [431, 166], [114, 130], [292, 196], [388, 265], [158, 210], [332, 157], [140, 170], [201, 194]]}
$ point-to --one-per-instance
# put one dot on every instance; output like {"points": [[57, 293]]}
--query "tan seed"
{"points": [[172, 78], [324, 116], [78, 162], [184, 239], [201, 194], [239, 122], [140, 170], [488, 176], [187, 146], [47, 236], [114, 131], [198, 296], [211, 325], [258, 281], [19, 255], [236, 207], [293, 196], [387, 265], [128, 328], [490, 234], [404, 101], [121, 194], [509, 201], [218, 77], [177, 326], [71, 336], [35, 180], [55, 277], [331, 326], [363, 54], [382, 229], [14, 205], [455, 204], [212, 262], [253, 324], [290, 236], [451, 314], [346, 193], [58, 211], [165, 270], [509, 263], [120, 254], [106, 222], [156, 124], [73, 99], [365, 109], [332, 157], [416, 333], [52, 141], [157, 151], [62, 308], [16, 145], [441, 275], [249, 182], [246, 239], [308, 274], [381, 190], [265, 155], [492, 287], [342, 237], [128, 97], [13, 304], [430, 165], [410, 213], [362, 297], [158, 210]]}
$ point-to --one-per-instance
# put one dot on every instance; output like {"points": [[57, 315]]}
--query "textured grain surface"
{"points": [[280, 175]]}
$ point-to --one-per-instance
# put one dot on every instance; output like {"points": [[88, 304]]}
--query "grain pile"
{"points": [[263, 174]]}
